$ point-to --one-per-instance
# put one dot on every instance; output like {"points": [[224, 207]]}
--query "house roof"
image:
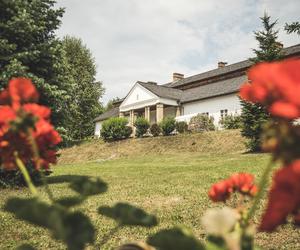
{"points": [[162, 91], [223, 87], [114, 112], [243, 65]]}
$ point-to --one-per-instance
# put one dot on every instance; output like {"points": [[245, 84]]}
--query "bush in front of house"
{"points": [[142, 126], [167, 125], [115, 129], [231, 122], [155, 130], [181, 127], [201, 122]]}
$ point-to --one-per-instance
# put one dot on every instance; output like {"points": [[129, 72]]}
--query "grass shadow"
{"points": [[64, 178]]}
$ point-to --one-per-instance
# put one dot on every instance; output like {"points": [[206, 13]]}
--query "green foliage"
{"points": [[181, 127], [86, 186], [142, 126], [201, 122], [167, 125], [14, 178], [73, 228], [231, 122], [175, 239], [254, 116], [115, 129], [293, 27], [29, 48], [126, 214], [85, 91], [155, 130]]}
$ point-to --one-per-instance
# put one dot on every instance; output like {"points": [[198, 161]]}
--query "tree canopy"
{"points": [[86, 91]]}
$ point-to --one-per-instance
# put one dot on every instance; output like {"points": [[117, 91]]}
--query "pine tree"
{"points": [[29, 48], [293, 28], [254, 115], [85, 92]]}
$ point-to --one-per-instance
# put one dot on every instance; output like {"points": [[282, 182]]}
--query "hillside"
{"points": [[216, 142]]}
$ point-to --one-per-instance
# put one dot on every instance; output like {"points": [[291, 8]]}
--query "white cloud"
{"points": [[148, 40]]}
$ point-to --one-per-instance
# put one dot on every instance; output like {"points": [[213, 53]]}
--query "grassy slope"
{"points": [[171, 185]]}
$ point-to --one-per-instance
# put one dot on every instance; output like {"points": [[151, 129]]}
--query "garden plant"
{"points": [[27, 137]]}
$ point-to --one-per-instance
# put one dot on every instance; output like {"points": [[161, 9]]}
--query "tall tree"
{"points": [[254, 115], [29, 48], [86, 91]]}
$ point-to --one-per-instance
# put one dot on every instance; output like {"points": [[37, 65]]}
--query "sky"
{"points": [[148, 40]]}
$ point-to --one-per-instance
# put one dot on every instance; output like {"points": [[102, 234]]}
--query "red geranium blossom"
{"points": [[240, 182], [20, 119], [275, 85], [284, 198]]}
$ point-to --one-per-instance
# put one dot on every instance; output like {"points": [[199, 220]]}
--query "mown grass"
{"points": [[174, 187]]}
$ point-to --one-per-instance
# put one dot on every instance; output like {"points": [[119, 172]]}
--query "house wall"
{"points": [[213, 106], [98, 126]]}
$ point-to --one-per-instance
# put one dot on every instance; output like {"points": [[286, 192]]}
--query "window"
{"points": [[224, 113]]}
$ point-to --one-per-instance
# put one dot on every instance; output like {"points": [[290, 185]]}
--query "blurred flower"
{"points": [[219, 221], [284, 197], [275, 85], [22, 121], [240, 182]]}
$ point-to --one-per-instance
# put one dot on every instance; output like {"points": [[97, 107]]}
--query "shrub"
{"points": [[167, 125], [142, 126], [115, 129], [231, 122], [181, 127], [155, 130], [201, 122]]}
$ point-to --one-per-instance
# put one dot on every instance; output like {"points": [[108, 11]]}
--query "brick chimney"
{"points": [[177, 77], [222, 64]]}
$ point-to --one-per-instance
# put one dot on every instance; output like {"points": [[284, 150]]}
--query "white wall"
{"points": [[213, 106], [98, 126]]}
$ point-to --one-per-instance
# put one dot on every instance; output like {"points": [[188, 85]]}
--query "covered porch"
{"points": [[153, 113]]}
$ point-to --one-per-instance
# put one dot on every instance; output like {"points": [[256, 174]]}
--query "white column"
{"points": [[147, 113], [159, 112]]}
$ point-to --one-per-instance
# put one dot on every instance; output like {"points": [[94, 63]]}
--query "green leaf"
{"points": [[175, 239], [25, 247], [86, 186], [127, 214], [70, 201], [73, 228]]}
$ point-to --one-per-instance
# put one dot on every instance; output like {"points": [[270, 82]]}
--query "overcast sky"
{"points": [[148, 40]]}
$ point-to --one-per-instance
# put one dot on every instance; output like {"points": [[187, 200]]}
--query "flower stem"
{"points": [[25, 174], [36, 156], [262, 184]]}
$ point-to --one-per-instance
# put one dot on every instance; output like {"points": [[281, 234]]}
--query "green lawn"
{"points": [[174, 187]]}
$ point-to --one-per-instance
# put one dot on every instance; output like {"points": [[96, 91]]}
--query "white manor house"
{"points": [[213, 93]]}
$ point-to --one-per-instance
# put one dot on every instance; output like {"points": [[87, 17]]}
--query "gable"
{"points": [[138, 94]]}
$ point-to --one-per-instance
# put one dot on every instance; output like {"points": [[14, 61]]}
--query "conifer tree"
{"points": [[293, 28], [254, 115]]}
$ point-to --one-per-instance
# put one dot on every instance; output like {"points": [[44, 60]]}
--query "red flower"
{"points": [[20, 119], [276, 85], [240, 182], [243, 183], [284, 198], [219, 191]]}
